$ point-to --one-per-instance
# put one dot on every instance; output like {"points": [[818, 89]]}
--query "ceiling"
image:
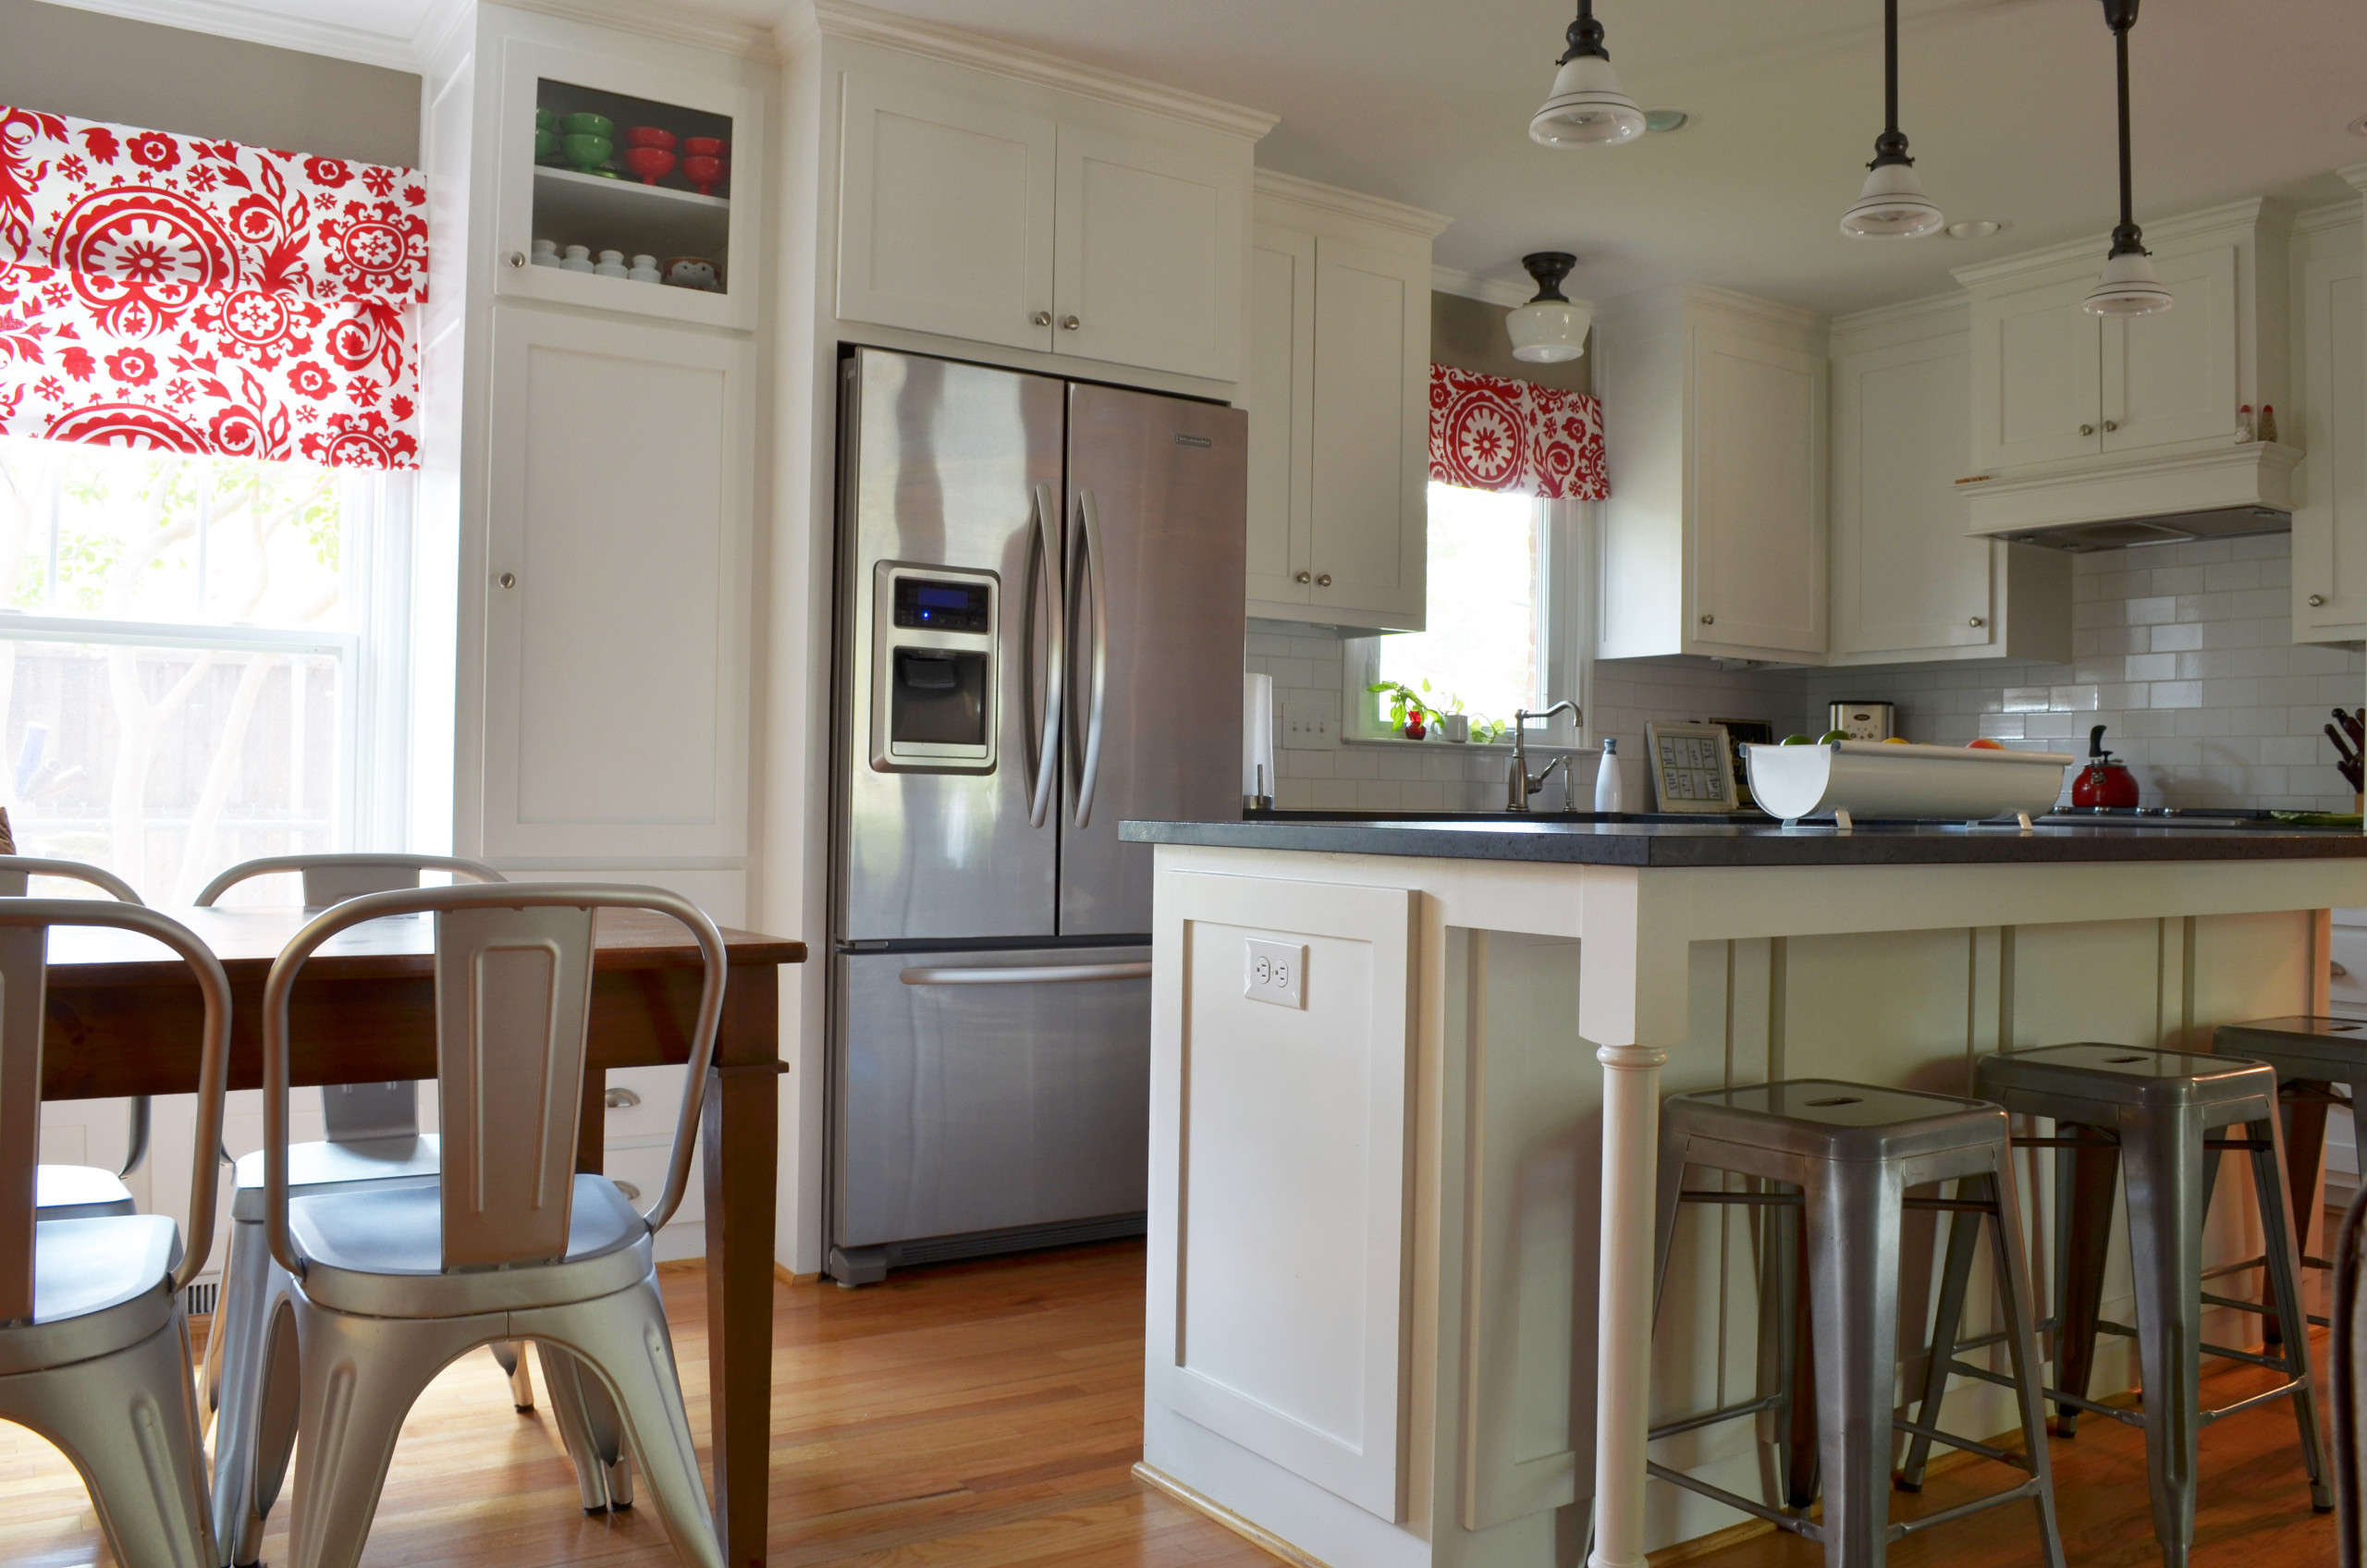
{"points": [[2007, 103]]}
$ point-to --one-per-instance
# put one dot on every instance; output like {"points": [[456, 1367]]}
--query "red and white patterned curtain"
{"points": [[1488, 433], [190, 296]]}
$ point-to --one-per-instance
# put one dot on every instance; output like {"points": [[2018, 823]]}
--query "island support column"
{"points": [[1632, 963]]}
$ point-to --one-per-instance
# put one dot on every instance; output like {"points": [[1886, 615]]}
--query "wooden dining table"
{"points": [[124, 1015]]}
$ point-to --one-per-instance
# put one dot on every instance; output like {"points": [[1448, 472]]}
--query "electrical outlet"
{"points": [[1308, 726], [1274, 972]]}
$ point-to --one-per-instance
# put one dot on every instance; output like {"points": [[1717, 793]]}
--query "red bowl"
{"points": [[649, 136], [705, 146], [703, 173], [651, 164]]}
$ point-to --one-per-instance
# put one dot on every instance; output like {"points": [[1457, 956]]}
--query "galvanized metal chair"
{"points": [[93, 1339], [2349, 1346], [374, 1138], [379, 1287], [81, 1191]]}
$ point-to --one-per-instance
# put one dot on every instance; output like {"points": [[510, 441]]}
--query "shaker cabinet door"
{"points": [[2330, 526], [1757, 550], [1371, 441], [1278, 391], [945, 214], [2171, 377], [2036, 368], [1147, 268], [615, 583]]}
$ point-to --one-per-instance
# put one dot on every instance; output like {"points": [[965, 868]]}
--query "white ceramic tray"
{"points": [[1877, 778]]}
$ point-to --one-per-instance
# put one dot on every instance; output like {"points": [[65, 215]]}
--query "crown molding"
{"points": [[227, 18], [1350, 203], [2356, 174], [840, 19], [1471, 286], [2233, 214], [1907, 312], [1795, 318], [2333, 214], [667, 24]]}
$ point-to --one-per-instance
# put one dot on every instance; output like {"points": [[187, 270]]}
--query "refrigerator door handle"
{"points": [[1045, 761], [1028, 974], [1088, 518]]}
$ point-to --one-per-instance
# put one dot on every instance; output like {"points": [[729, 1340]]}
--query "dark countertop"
{"points": [[1585, 842]]}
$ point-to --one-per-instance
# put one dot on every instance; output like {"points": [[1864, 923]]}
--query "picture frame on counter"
{"points": [[1691, 765]]}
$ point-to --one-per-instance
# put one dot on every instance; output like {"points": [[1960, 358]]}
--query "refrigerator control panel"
{"points": [[934, 655]]}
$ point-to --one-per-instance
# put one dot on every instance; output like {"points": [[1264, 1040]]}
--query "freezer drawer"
{"points": [[981, 1091]]}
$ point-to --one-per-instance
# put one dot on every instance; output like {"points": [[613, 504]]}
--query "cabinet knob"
{"points": [[1305, 576], [2087, 430], [1324, 580], [2317, 601], [620, 1099], [1069, 324], [517, 258], [1042, 318], [1708, 620], [507, 580], [2111, 426], [1976, 622]]}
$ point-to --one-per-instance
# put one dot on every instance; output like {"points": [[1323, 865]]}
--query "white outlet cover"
{"points": [[1274, 973]]}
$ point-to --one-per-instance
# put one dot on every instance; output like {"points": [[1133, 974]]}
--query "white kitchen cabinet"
{"points": [[1715, 426], [2037, 375], [616, 620], [1909, 582], [1002, 213], [2330, 424], [1337, 390], [945, 213], [2171, 379]]}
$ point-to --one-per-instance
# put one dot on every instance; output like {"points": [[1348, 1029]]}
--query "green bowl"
{"points": [[545, 146], [589, 125], [545, 119], [586, 152]]}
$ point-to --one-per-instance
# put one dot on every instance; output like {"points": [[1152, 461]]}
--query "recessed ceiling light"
{"points": [[2356, 128], [1977, 228], [1660, 121]]}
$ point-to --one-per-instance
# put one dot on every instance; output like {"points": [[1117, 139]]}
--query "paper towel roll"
{"points": [[1257, 739]]}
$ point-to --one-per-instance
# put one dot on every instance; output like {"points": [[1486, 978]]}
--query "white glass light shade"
{"points": [[1586, 109], [2128, 288], [1548, 332], [1891, 206]]}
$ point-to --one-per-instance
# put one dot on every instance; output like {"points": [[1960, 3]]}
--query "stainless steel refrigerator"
{"points": [[1039, 634]]}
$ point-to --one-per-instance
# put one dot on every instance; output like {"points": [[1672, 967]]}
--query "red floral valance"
{"points": [[1488, 433], [192, 296]]}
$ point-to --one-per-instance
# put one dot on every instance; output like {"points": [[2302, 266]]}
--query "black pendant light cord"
{"points": [[2121, 15], [1890, 147], [1584, 36]]}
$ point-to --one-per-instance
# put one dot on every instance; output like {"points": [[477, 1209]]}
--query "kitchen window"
{"points": [[202, 659], [1502, 629]]}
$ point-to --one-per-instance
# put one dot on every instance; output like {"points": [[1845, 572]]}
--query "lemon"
{"points": [[1893, 740]]}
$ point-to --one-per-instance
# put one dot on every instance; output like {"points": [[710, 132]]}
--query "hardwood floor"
{"points": [[988, 1414]]}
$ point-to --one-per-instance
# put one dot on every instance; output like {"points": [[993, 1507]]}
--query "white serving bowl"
{"points": [[1877, 778]]}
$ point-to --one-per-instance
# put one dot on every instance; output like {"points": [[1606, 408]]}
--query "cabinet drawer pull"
{"points": [[2087, 430], [1976, 622], [1305, 577], [1708, 620], [1324, 580], [2317, 601], [620, 1099], [1069, 324], [1042, 318], [2111, 426]]}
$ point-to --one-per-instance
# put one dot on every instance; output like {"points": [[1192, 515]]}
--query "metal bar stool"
{"points": [[2313, 1057], [1852, 1151], [2148, 1114]]}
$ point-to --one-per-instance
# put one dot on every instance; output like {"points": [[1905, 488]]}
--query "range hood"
{"points": [[2124, 533], [2219, 493]]}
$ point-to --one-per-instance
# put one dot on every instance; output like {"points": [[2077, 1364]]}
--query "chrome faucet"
{"points": [[1519, 786]]}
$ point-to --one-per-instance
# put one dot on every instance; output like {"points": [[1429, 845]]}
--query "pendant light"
{"points": [[1893, 205], [1550, 328], [2129, 286], [1586, 109]]}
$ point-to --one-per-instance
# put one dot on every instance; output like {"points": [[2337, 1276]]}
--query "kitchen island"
{"points": [[1406, 1085]]}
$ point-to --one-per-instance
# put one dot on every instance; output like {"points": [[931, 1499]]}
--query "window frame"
{"points": [[1566, 618]]}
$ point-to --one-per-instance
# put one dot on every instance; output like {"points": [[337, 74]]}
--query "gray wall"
{"points": [[1469, 334], [73, 62]]}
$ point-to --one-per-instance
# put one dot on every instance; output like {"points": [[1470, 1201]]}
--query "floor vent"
{"points": [[199, 1298]]}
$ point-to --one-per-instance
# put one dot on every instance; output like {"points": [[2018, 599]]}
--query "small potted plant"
{"points": [[1409, 711]]}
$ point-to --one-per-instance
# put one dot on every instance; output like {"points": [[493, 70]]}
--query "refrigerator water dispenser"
{"points": [[933, 656]]}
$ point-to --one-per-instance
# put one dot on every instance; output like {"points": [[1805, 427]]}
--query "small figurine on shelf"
{"points": [[612, 264], [693, 272], [2268, 422], [2244, 436], [644, 270], [578, 259], [546, 254]]}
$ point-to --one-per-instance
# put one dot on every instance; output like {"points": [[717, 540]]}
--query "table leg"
{"points": [[739, 1131]]}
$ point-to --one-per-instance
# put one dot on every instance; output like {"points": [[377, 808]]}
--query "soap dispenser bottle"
{"points": [[1610, 799]]}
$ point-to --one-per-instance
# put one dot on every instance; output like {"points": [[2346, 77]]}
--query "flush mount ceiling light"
{"points": [[1586, 109], [1977, 228], [2129, 286], [1891, 205], [2358, 126], [1660, 122], [1551, 328]]}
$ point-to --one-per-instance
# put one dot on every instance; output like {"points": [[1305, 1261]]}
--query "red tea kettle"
{"points": [[2106, 781]]}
